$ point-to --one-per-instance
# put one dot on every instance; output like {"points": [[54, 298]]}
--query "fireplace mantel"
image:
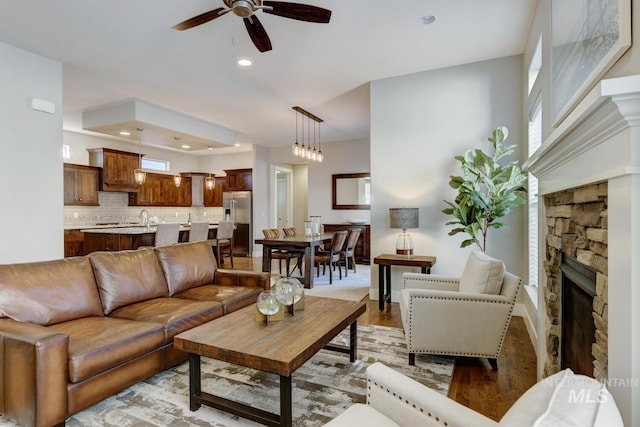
{"points": [[599, 142], [592, 135]]}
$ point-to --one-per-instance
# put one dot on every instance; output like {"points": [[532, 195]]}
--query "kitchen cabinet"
{"points": [[80, 185], [239, 179], [362, 252], [73, 243], [160, 190], [117, 168], [213, 198]]}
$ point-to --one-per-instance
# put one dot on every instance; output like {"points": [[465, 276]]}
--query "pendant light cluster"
{"points": [[305, 150]]}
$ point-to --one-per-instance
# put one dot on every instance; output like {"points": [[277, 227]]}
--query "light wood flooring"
{"points": [[474, 384]]}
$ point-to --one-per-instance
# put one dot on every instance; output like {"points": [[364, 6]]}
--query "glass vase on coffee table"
{"points": [[288, 292]]}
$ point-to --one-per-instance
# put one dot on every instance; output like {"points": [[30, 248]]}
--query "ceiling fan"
{"points": [[246, 9]]}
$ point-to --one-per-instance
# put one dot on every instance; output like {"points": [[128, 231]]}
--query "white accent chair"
{"points": [[563, 399], [465, 316]]}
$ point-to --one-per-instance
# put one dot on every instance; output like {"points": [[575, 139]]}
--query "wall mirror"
{"points": [[351, 191]]}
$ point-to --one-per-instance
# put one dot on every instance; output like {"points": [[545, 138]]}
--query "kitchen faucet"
{"points": [[144, 215]]}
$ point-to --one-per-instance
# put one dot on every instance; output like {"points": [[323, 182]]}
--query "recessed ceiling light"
{"points": [[236, 145], [125, 133], [427, 19], [244, 62], [185, 146], [210, 148]]}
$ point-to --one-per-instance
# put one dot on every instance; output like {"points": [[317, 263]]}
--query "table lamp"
{"points": [[403, 218]]}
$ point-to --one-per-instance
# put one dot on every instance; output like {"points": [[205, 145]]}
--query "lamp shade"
{"points": [[403, 218]]}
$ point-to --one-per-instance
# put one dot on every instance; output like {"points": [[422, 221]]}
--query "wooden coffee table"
{"points": [[280, 348]]}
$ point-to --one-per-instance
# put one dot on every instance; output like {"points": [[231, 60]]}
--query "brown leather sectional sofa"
{"points": [[78, 330]]}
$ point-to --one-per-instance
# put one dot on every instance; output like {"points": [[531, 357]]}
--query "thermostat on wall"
{"points": [[42, 105]]}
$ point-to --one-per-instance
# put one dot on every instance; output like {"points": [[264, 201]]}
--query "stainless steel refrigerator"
{"points": [[237, 207]]}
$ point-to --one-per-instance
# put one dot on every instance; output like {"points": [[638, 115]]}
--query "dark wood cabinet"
{"points": [[239, 179], [160, 190], [80, 185], [117, 168], [213, 198], [363, 247], [73, 243]]}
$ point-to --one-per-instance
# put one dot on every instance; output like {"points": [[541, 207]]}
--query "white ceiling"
{"points": [[117, 50]]}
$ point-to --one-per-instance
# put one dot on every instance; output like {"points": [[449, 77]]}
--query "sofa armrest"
{"points": [[242, 278], [430, 281], [34, 373], [409, 403]]}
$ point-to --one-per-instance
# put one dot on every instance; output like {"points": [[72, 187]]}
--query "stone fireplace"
{"points": [[588, 172], [576, 229]]}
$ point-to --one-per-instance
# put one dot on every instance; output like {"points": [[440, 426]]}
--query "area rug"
{"points": [[353, 287], [322, 388]]}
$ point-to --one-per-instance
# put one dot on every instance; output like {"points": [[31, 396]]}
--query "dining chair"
{"points": [[280, 254], [199, 231], [348, 253], [331, 256], [224, 240], [291, 232]]}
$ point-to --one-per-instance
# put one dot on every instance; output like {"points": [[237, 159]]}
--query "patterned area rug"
{"points": [[322, 388]]}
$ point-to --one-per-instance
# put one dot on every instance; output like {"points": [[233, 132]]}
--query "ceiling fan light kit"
{"points": [[246, 9]]}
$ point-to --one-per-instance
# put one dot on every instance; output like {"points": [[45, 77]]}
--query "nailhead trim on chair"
{"points": [[406, 401], [428, 279], [453, 353]]}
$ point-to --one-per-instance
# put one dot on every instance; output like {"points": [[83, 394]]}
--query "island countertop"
{"points": [[129, 237]]}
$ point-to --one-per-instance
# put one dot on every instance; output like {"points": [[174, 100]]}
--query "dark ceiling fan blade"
{"points": [[203, 18], [257, 33], [301, 12]]}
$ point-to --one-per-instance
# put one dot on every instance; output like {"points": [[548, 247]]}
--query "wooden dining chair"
{"points": [[291, 232], [280, 254], [331, 257], [348, 253]]}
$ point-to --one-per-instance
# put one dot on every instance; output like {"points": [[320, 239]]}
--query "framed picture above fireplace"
{"points": [[587, 38]]}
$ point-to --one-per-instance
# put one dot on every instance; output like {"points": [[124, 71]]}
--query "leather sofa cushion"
{"points": [[187, 265], [39, 292], [242, 278], [127, 277], [174, 314], [97, 344], [232, 298], [482, 274]]}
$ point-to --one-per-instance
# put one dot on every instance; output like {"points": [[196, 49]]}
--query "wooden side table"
{"points": [[385, 262]]}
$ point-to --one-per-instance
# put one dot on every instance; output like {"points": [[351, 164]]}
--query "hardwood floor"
{"points": [[474, 384]]}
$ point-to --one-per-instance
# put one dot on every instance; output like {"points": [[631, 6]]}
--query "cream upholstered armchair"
{"points": [[563, 399], [465, 316]]}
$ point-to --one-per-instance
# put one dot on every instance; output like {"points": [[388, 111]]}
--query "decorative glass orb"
{"points": [[288, 290], [268, 303]]}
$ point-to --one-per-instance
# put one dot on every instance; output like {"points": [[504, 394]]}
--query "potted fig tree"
{"points": [[487, 190]]}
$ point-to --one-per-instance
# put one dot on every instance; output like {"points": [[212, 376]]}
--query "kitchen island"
{"points": [[124, 238]]}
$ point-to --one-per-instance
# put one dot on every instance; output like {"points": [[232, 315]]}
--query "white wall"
{"points": [[419, 122], [31, 217], [340, 157]]}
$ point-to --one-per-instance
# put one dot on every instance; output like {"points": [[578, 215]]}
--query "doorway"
{"points": [[284, 197]]}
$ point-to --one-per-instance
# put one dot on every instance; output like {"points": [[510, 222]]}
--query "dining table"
{"points": [[308, 244]]}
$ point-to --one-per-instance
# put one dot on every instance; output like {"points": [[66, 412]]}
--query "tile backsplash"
{"points": [[114, 207]]}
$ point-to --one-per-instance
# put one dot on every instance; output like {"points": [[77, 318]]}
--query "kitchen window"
{"points": [[155, 164]]}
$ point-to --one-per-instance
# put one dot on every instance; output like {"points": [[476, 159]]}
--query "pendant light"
{"points": [[177, 179], [295, 148], [210, 182], [139, 174], [305, 150], [320, 157]]}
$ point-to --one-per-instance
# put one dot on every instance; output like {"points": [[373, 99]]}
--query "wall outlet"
{"points": [[204, 214], [176, 214], [75, 215]]}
